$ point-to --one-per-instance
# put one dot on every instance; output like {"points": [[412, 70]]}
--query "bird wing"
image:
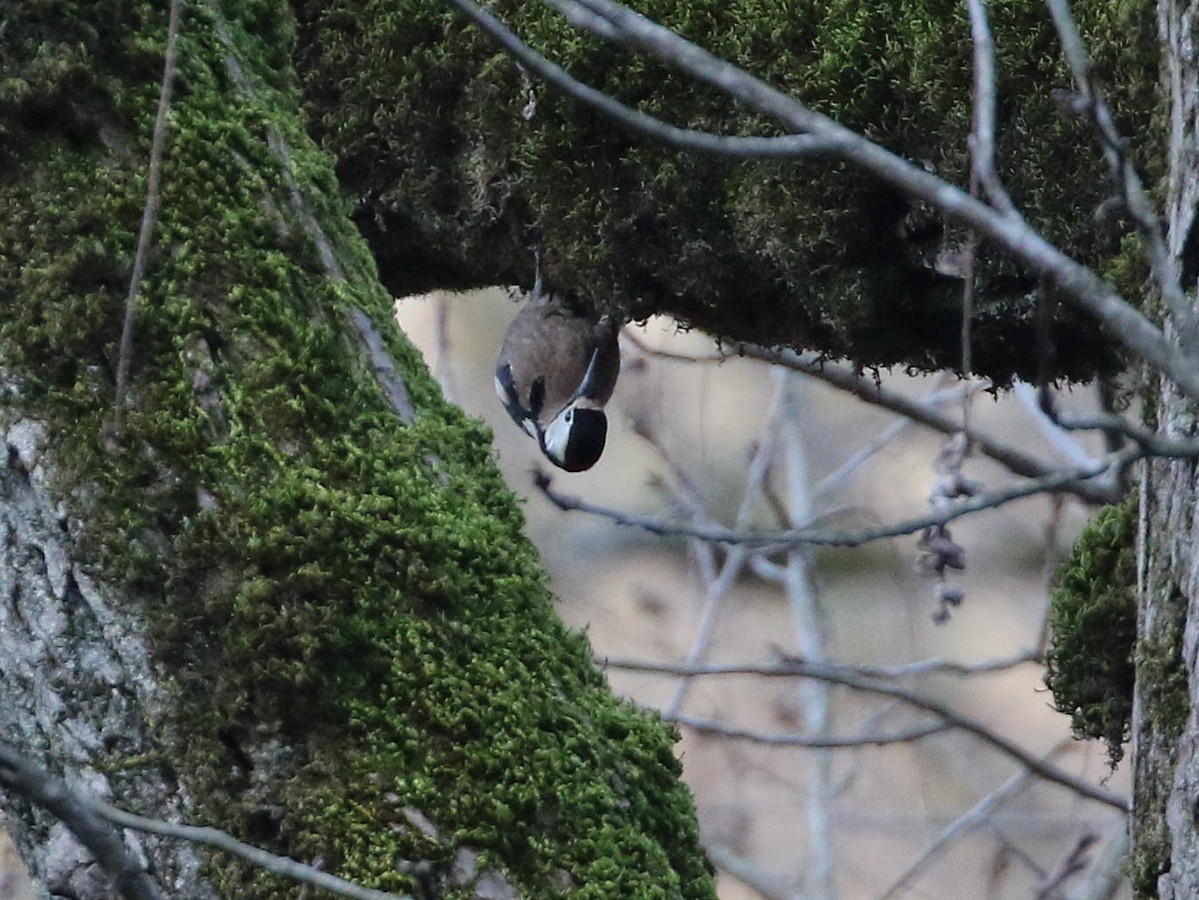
{"points": [[547, 353], [505, 387]]}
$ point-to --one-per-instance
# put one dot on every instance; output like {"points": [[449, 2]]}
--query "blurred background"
{"points": [[942, 816]]}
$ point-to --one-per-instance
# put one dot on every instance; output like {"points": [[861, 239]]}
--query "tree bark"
{"points": [[79, 683], [1165, 824]]}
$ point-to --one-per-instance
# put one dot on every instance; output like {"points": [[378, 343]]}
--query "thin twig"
{"points": [[1007, 851], [718, 587], [268, 862], [982, 138], [934, 666], [982, 156], [839, 675], [738, 146], [889, 435], [1076, 861], [780, 541], [868, 390], [768, 886], [1077, 282], [1108, 872], [149, 211], [1066, 445], [971, 819], [1132, 192], [921, 411], [1053, 557], [982, 160], [810, 633], [1154, 445], [104, 842], [818, 742]]}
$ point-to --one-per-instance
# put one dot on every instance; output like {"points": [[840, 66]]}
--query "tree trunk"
{"points": [[288, 595], [1165, 827]]}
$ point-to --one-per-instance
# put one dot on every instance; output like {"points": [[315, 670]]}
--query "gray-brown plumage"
{"points": [[556, 370]]}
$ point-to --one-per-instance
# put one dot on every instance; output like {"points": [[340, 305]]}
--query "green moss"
{"points": [[1161, 668], [1166, 697], [1165, 700], [426, 119], [1094, 658], [1093, 618], [328, 588]]}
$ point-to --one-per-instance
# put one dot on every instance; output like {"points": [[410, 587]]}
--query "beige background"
{"points": [[638, 595], [642, 596]]}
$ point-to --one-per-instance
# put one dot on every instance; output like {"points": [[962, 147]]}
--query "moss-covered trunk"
{"points": [[291, 597], [1165, 827]]}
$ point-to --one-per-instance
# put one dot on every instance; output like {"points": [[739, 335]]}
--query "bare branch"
{"points": [[846, 677], [717, 587], [1065, 445], [1054, 426], [1165, 271], [779, 541], [149, 211], [944, 666], [1150, 444], [890, 434], [104, 843], [982, 140], [1109, 871], [89, 820], [718, 729], [864, 670], [742, 146], [974, 817], [1076, 861], [1077, 282], [809, 625], [922, 411], [268, 862], [870, 391], [770, 887]]}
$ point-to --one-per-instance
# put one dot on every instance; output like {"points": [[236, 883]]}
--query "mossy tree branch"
{"points": [[806, 253]]}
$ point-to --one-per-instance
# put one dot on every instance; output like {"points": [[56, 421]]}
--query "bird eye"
{"points": [[570, 414]]}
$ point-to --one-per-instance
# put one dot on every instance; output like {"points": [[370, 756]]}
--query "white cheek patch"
{"points": [[557, 433]]}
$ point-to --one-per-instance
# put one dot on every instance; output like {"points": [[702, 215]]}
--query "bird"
{"points": [[556, 370]]}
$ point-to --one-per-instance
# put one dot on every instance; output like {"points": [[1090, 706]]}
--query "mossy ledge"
{"points": [[363, 656], [458, 161], [1093, 615]]}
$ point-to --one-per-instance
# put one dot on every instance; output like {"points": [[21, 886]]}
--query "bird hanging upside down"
{"points": [[556, 370]]}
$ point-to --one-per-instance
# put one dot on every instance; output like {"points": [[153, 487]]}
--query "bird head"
{"points": [[574, 439]]}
